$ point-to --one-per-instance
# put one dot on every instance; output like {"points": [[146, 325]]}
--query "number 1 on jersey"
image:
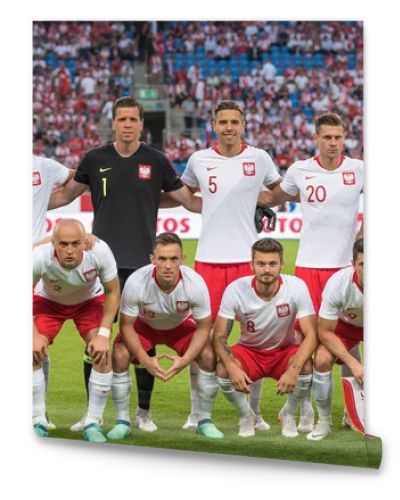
{"points": [[104, 179]]}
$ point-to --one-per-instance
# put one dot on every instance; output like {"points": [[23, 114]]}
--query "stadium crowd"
{"points": [[283, 73]]}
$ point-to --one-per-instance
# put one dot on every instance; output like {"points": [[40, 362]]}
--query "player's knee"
{"points": [[206, 359], [221, 370], [307, 368], [323, 359], [120, 358]]}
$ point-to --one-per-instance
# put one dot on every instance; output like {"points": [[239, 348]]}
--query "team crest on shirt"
{"points": [[283, 310], [90, 275], [349, 178], [144, 172], [36, 178], [249, 168], [182, 306]]}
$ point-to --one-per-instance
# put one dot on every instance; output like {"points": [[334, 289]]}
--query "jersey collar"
{"points": [[318, 160], [242, 148], [355, 281], [154, 275], [253, 284]]}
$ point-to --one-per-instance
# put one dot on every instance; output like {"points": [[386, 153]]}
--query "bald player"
{"points": [[72, 283]]}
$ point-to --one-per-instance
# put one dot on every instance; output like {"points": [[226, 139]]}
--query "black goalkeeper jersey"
{"points": [[125, 196]]}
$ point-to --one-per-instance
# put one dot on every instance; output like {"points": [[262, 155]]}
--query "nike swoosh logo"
{"points": [[104, 169], [310, 177], [248, 314], [211, 168]]}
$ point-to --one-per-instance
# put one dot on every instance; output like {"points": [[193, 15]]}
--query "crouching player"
{"points": [[164, 303], [267, 305], [70, 284], [340, 328]]}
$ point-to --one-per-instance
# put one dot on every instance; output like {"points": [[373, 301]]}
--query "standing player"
{"points": [[229, 176], [164, 303], [340, 327], [266, 305], [126, 178], [70, 284], [329, 186], [47, 174]]}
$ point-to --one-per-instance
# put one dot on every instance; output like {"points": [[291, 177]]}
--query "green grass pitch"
{"points": [[171, 405]]}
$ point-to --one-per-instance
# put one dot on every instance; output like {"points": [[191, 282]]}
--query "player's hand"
{"points": [[152, 366], [90, 240], [357, 370], [261, 212], [239, 379], [40, 348], [99, 349], [287, 382], [178, 364]]}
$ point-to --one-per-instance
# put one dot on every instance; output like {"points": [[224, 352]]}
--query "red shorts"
{"points": [[350, 335], [49, 316], [177, 338], [218, 277], [258, 363], [315, 279]]}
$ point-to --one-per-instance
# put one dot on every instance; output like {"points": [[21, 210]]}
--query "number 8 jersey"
{"points": [[329, 203]]}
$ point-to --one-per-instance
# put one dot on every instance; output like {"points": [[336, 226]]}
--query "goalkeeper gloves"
{"points": [[262, 212]]}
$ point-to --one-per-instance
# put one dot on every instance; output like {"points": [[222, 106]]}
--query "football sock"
{"points": [[121, 392], [354, 401], [194, 388], [322, 386], [208, 388], [87, 370], [255, 395], [300, 391], [145, 384], [99, 388], [38, 394], [46, 370], [238, 399]]}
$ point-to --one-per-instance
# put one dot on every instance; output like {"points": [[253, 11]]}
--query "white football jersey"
{"points": [[46, 174], [266, 324], [229, 188], [329, 204], [72, 286], [343, 298], [143, 298]]}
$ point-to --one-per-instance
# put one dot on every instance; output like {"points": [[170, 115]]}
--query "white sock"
{"points": [[99, 388], [46, 370], [322, 386], [300, 391], [306, 408], [194, 388], [255, 395], [121, 393], [208, 388], [238, 399], [38, 394]]}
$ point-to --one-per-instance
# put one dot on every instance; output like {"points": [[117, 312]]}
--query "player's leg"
{"points": [[346, 372], [39, 419], [287, 415], [254, 400], [46, 371], [145, 385], [322, 387], [99, 388], [121, 390], [193, 417], [207, 389], [238, 399]]}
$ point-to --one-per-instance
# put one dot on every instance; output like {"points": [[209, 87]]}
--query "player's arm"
{"points": [[66, 194], [99, 347], [184, 196], [132, 342], [276, 196], [288, 380], [327, 336], [237, 376], [197, 344]]}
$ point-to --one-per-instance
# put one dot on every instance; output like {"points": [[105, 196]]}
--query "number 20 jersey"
{"points": [[329, 204]]}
